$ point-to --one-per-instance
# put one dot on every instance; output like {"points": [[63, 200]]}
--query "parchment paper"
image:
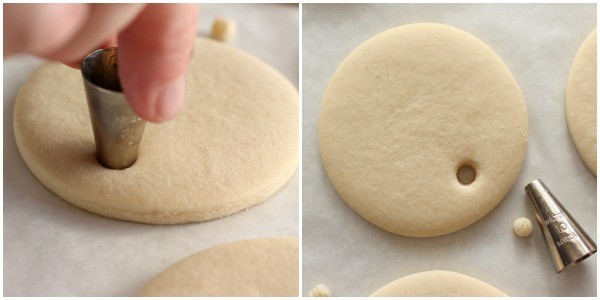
{"points": [[538, 43], [52, 248]]}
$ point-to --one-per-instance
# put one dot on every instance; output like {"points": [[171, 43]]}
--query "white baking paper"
{"points": [[538, 43], [52, 248]]}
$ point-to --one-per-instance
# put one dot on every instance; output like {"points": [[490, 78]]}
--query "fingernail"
{"points": [[169, 100]]}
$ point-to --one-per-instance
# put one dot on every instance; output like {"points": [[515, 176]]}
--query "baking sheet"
{"points": [[52, 248], [538, 43]]}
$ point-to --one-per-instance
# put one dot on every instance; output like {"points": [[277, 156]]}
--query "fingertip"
{"points": [[141, 104], [158, 105], [74, 65], [169, 101], [154, 62]]}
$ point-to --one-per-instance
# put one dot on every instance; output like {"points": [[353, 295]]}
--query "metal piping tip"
{"points": [[117, 129], [567, 241]]}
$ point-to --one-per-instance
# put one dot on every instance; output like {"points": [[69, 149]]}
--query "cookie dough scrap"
{"points": [[582, 101], [223, 29], [438, 283], [258, 267], [423, 130], [523, 227], [320, 290], [234, 144]]}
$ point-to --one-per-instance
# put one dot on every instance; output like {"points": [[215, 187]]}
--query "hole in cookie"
{"points": [[466, 174]]}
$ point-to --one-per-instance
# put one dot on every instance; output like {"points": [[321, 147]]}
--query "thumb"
{"points": [[154, 53]]}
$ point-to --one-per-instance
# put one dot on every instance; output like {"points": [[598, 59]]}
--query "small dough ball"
{"points": [[320, 290], [223, 29], [523, 227]]}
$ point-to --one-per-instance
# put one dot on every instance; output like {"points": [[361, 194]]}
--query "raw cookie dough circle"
{"points": [[438, 283], [234, 144], [404, 111], [259, 267], [582, 101]]}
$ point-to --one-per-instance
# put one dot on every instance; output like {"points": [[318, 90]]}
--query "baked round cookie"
{"points": [[582, 101], [234, 144], [423, 130], [438, 283], [259, 268]]}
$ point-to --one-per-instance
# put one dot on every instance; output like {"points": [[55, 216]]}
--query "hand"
{"points": [[155, 43]]}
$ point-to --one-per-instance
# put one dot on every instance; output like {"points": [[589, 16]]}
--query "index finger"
{"points": [[154, 54]]}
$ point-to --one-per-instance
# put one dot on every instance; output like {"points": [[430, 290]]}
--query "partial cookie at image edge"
{"points": [[582, 101], [438, 283], [258, 267]]}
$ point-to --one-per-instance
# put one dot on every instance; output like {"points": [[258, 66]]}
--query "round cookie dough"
{"points": [[438, 283], [234, 144], [407, 110], [258, 267], [582, 100]]}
